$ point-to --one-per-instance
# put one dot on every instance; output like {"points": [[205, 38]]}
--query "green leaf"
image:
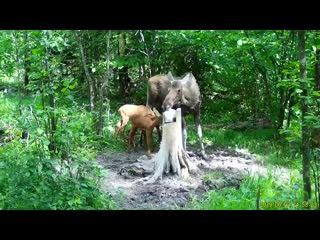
{"points": [[40, 131], [297, 90], [72, 86], [70, 97], [239, 42], [316, 93], [311, 118], [46, 142], [36, 51], [83, 138]]}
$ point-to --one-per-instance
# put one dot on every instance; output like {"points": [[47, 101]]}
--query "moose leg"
{"points": [[149, 142], [184, 133], [199, 132], [143, 137], [159, 133], [116, 130]]}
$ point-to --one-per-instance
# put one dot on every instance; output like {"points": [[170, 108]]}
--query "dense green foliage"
{"points": [[60, 91], [32, 179]]}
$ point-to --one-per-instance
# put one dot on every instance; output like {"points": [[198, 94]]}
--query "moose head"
{"points": [[181, 92]]}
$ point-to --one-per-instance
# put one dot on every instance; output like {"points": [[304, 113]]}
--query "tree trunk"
{"points": [[284, 95], [146, 51], [124, 79], [282, 107], [52, 120], [17, 54], [26, 71], [52, 123], [304, 111], [86, 70], [317, 76], [261, 69], [316, 131], [102, 91], [171, 156], [292, 101], [27, 64], [255, 107]]}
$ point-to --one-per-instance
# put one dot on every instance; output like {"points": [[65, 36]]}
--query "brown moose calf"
{"points": [[141, 117]]}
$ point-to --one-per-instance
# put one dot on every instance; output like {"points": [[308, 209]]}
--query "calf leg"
{"points": [[124, 122], [131, 138]]}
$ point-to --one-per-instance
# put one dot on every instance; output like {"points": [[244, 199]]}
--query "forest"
{"points": [[259, 107]]}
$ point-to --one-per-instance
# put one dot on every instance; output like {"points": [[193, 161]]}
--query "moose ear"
{"points": [[187, 79], [171, 78]]}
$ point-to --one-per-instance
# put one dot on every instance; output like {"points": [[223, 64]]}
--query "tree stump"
{"points": [[171, 156]]}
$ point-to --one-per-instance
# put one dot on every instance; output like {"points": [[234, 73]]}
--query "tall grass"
{"points": [[263, 193]]}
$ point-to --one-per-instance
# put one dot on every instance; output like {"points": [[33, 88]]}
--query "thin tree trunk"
{"points": [[123, 72], [52, 121], [86, 70], [146, 51], [292, 101], [304, 111], [26, 61], [264, 76], [255, 107], [99, 105], [17, 55], [108, 73], [316, 131], [317, 76], [102, 90], [284, 96], [282, 108]]}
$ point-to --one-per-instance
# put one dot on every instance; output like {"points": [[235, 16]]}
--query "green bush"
{"points": [[30, 179]]}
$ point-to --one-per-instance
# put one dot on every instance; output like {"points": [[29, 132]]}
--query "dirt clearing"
{"points": [[226, 166]]}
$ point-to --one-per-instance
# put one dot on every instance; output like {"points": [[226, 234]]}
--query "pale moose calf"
{"points": [[141, 117]]}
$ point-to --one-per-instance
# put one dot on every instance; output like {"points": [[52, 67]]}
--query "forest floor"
{"points": [[226, 168]]}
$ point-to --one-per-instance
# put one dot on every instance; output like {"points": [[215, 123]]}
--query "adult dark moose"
{"points": [[165, 92]]}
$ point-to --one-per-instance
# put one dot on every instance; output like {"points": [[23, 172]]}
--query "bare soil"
{"points": [[227, 168]]}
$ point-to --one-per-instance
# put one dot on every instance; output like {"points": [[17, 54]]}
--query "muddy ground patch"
{"points": [[227, 167]]}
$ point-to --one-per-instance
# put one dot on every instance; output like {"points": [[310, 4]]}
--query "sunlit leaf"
{"points": [[39, 131]]}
